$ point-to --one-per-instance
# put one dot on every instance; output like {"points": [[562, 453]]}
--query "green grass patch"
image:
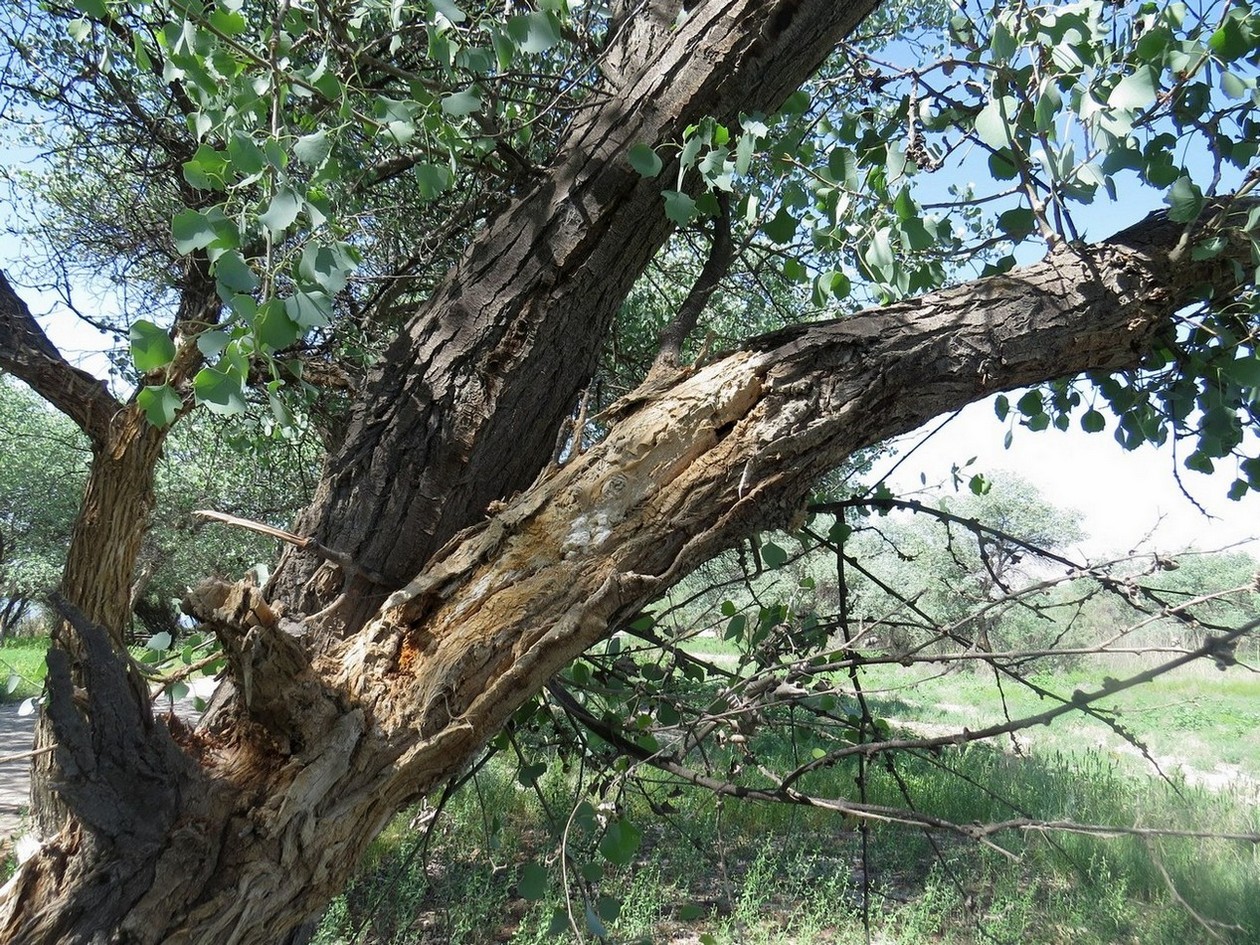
{"points": [[22, 667], [758, 873]]}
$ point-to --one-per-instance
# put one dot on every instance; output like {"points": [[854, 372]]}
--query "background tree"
{"points": [[484, 192], [41, 483]]}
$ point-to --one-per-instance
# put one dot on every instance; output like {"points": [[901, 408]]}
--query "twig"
{"points": [[304, 543]]}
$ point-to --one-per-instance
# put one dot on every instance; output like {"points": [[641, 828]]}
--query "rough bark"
{"points": [[255, 828], [463, 408], [118, 499]]}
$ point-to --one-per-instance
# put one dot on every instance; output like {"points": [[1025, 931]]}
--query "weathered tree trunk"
{"points": [[100, 562], [118, 498], [234, 838]]}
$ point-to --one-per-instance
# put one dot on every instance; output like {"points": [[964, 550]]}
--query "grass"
{"points": [[22, 663], [725, 872]]}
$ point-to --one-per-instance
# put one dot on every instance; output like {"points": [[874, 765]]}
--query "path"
{"points": [[17, 733]]}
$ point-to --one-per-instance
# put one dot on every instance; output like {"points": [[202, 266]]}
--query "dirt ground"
{"points": [[17, 733]]}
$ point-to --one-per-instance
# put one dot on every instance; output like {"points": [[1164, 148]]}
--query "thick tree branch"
{"points": [[27, 354]]}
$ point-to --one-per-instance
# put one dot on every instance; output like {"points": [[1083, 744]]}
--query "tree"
{"points": [[504, 183], [204, 466], [949, 569], [40, 485]]}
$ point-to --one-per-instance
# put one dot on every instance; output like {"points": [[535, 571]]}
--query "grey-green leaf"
{"points": [[313, 149], [160, 404], [644, 160], [281, 211], [151, 347]]}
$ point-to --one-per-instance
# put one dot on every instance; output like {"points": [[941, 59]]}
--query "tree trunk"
{"points": [[100, 562], [235, 838]]}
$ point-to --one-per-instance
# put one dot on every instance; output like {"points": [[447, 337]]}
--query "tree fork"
{"points": [[275, 812], [463, 408]]}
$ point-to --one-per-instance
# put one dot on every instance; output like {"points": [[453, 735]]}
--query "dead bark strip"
{"points": [[269, 816]]}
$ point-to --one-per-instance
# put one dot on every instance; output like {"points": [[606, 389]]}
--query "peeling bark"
{"points": [[271, 813]]}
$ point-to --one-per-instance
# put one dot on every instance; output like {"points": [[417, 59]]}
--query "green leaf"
{"points": [[459, 104], [159, 641], [281, 211], [797, 103], [233, 273], [228, 22], [94, 8], [1244, 370], [831, 285], [449, 10], [620, 842], [246, 156], [273, 326], [879, 254], [594, 924], [151, 347], [222, 392], [773, 555], [1002, 43], [839, 532], [1093, 422], [1031, 404], [192, 230], [1001, 406], [1047, 108], [433, 180], [1229, 41], [1002, 164], [533, 882], [207, 169], [309, 309], [327, 266], [1233, 86], [608, 907], [534, 32], [212, 343], [1185, 200], [528, 775], [679, 207], [991, 126], [1135, 92], [313, 149], [644, 160], [744, 151], [1017, 223], [782, 228], [160, 404]]}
